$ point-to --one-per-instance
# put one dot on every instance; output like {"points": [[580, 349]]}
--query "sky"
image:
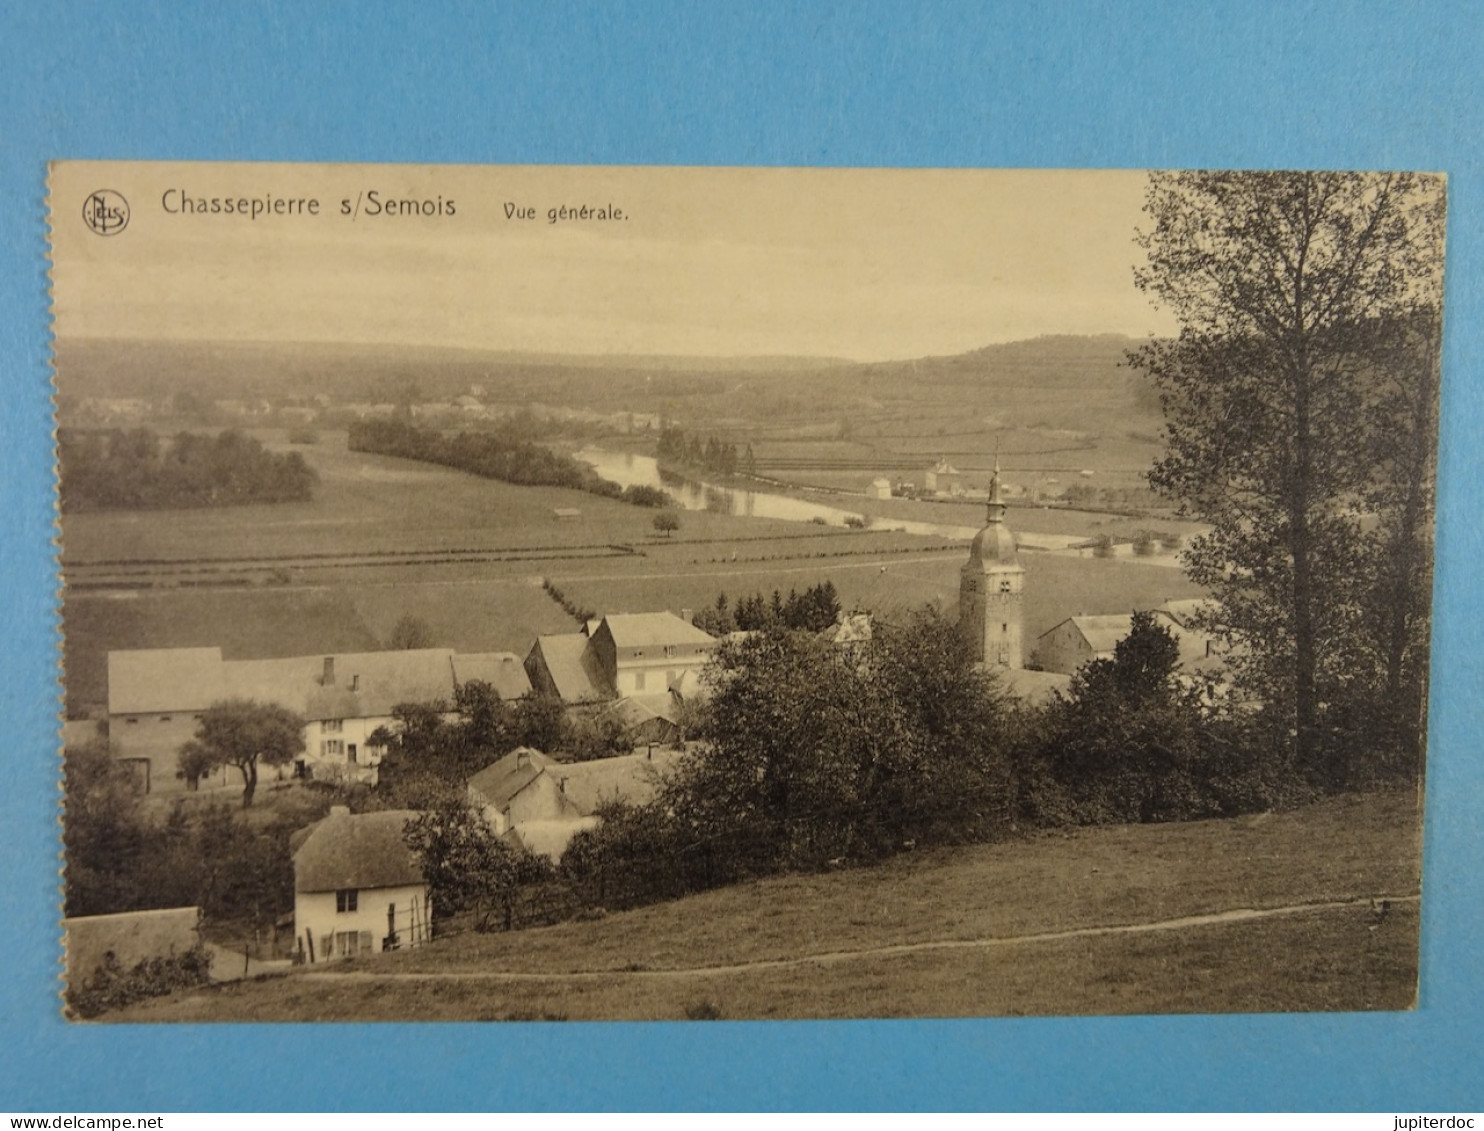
{"points": [[861, 264]]}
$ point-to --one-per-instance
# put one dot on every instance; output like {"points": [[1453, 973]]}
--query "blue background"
{"points": [[1246, 84]]}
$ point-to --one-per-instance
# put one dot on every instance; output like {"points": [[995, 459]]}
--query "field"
{"points": [[1272, 912], [1056, 586], [386, 538]]}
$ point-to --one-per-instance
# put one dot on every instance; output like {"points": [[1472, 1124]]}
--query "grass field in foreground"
{"points": [[652, 963]]}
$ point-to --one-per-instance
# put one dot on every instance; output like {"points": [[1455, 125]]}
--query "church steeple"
{"points": [[989, 595]]}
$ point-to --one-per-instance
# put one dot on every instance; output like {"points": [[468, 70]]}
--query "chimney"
{"points": [[328, 679], [522, 757], [340, 810], [688, 616]]}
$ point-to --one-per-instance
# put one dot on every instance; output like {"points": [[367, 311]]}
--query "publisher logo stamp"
{"points": [[106, 212]]}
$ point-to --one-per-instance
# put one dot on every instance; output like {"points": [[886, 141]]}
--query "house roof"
{"points": [[1103, 632], [645, 630], [356, 850], [1181, 611], [501, 670], [631, 777], [576, 672], [636, 710], [500, 781], [691, 686], [1032, 686], [164, 679], [849, 628], [365, 684]]}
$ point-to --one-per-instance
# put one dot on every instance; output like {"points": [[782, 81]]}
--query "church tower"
{"points": [[989, 588]]}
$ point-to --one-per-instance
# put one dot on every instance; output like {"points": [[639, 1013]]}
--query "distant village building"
{"points": [[990, 589], [880, 488], [626, 654], [358, 887], [156, 698], [943, 479]]}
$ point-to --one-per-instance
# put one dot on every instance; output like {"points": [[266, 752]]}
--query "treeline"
{"points": [[813, 610], [817, 757], [498, 454], [135, 469], [120, 860], [715, 456]]}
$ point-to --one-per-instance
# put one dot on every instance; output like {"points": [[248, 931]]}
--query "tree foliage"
{"points": [[116, 469], [467, 866], [1299, 399], [816, 754], [242, 733], [119, 860], [1132, 742]]}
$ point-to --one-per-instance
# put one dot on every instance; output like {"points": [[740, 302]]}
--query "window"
{"points": [[131, 721], [331, 748], [969, 585], [638, 681], [1004, 628], [1005, 586], [346, 900], [164, 718], [671, 651], [332, 726]]}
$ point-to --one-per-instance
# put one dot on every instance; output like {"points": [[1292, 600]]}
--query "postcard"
{"points": [[537, 593]]}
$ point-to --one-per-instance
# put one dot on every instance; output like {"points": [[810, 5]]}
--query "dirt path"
{"points": [[1237, 915]]}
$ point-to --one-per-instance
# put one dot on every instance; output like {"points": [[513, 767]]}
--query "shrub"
{"points": [[112, 987], [303, 435]]}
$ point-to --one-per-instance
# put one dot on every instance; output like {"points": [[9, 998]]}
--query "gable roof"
{"points": [[501, 670], [576, 673], [646, 630], [152, 680], [502, 780], [365, 684], [356, 850], [1103, 632], [633, 778]]}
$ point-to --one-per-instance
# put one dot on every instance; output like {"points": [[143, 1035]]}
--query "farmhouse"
{"points": [[358, 888], [624, 654], [156, 697], [539, 804]]}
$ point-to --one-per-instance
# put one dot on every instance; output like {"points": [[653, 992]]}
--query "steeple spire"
{"points": [[996, 509]]}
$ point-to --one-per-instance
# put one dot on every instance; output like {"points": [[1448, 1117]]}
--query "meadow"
{"points": [[1271, 912]]}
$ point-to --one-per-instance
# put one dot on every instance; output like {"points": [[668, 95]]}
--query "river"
{"points": [[629, 470]]}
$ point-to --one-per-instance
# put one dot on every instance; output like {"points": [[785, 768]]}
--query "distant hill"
{"points": [[1061, 381]]}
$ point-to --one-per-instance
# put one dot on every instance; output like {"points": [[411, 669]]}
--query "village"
{"points": [[358, 887]]}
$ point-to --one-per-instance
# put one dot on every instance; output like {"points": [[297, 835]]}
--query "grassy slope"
{"points": [[616, 967]]}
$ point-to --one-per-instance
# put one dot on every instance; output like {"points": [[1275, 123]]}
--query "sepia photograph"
{"points": [[534, 593]]}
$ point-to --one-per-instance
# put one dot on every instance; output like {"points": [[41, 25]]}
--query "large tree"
{"points": [[242, 733], [1307, 303]]}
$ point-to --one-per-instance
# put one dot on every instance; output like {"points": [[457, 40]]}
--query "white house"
{"points": [[623, 654], [358, 888]]}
